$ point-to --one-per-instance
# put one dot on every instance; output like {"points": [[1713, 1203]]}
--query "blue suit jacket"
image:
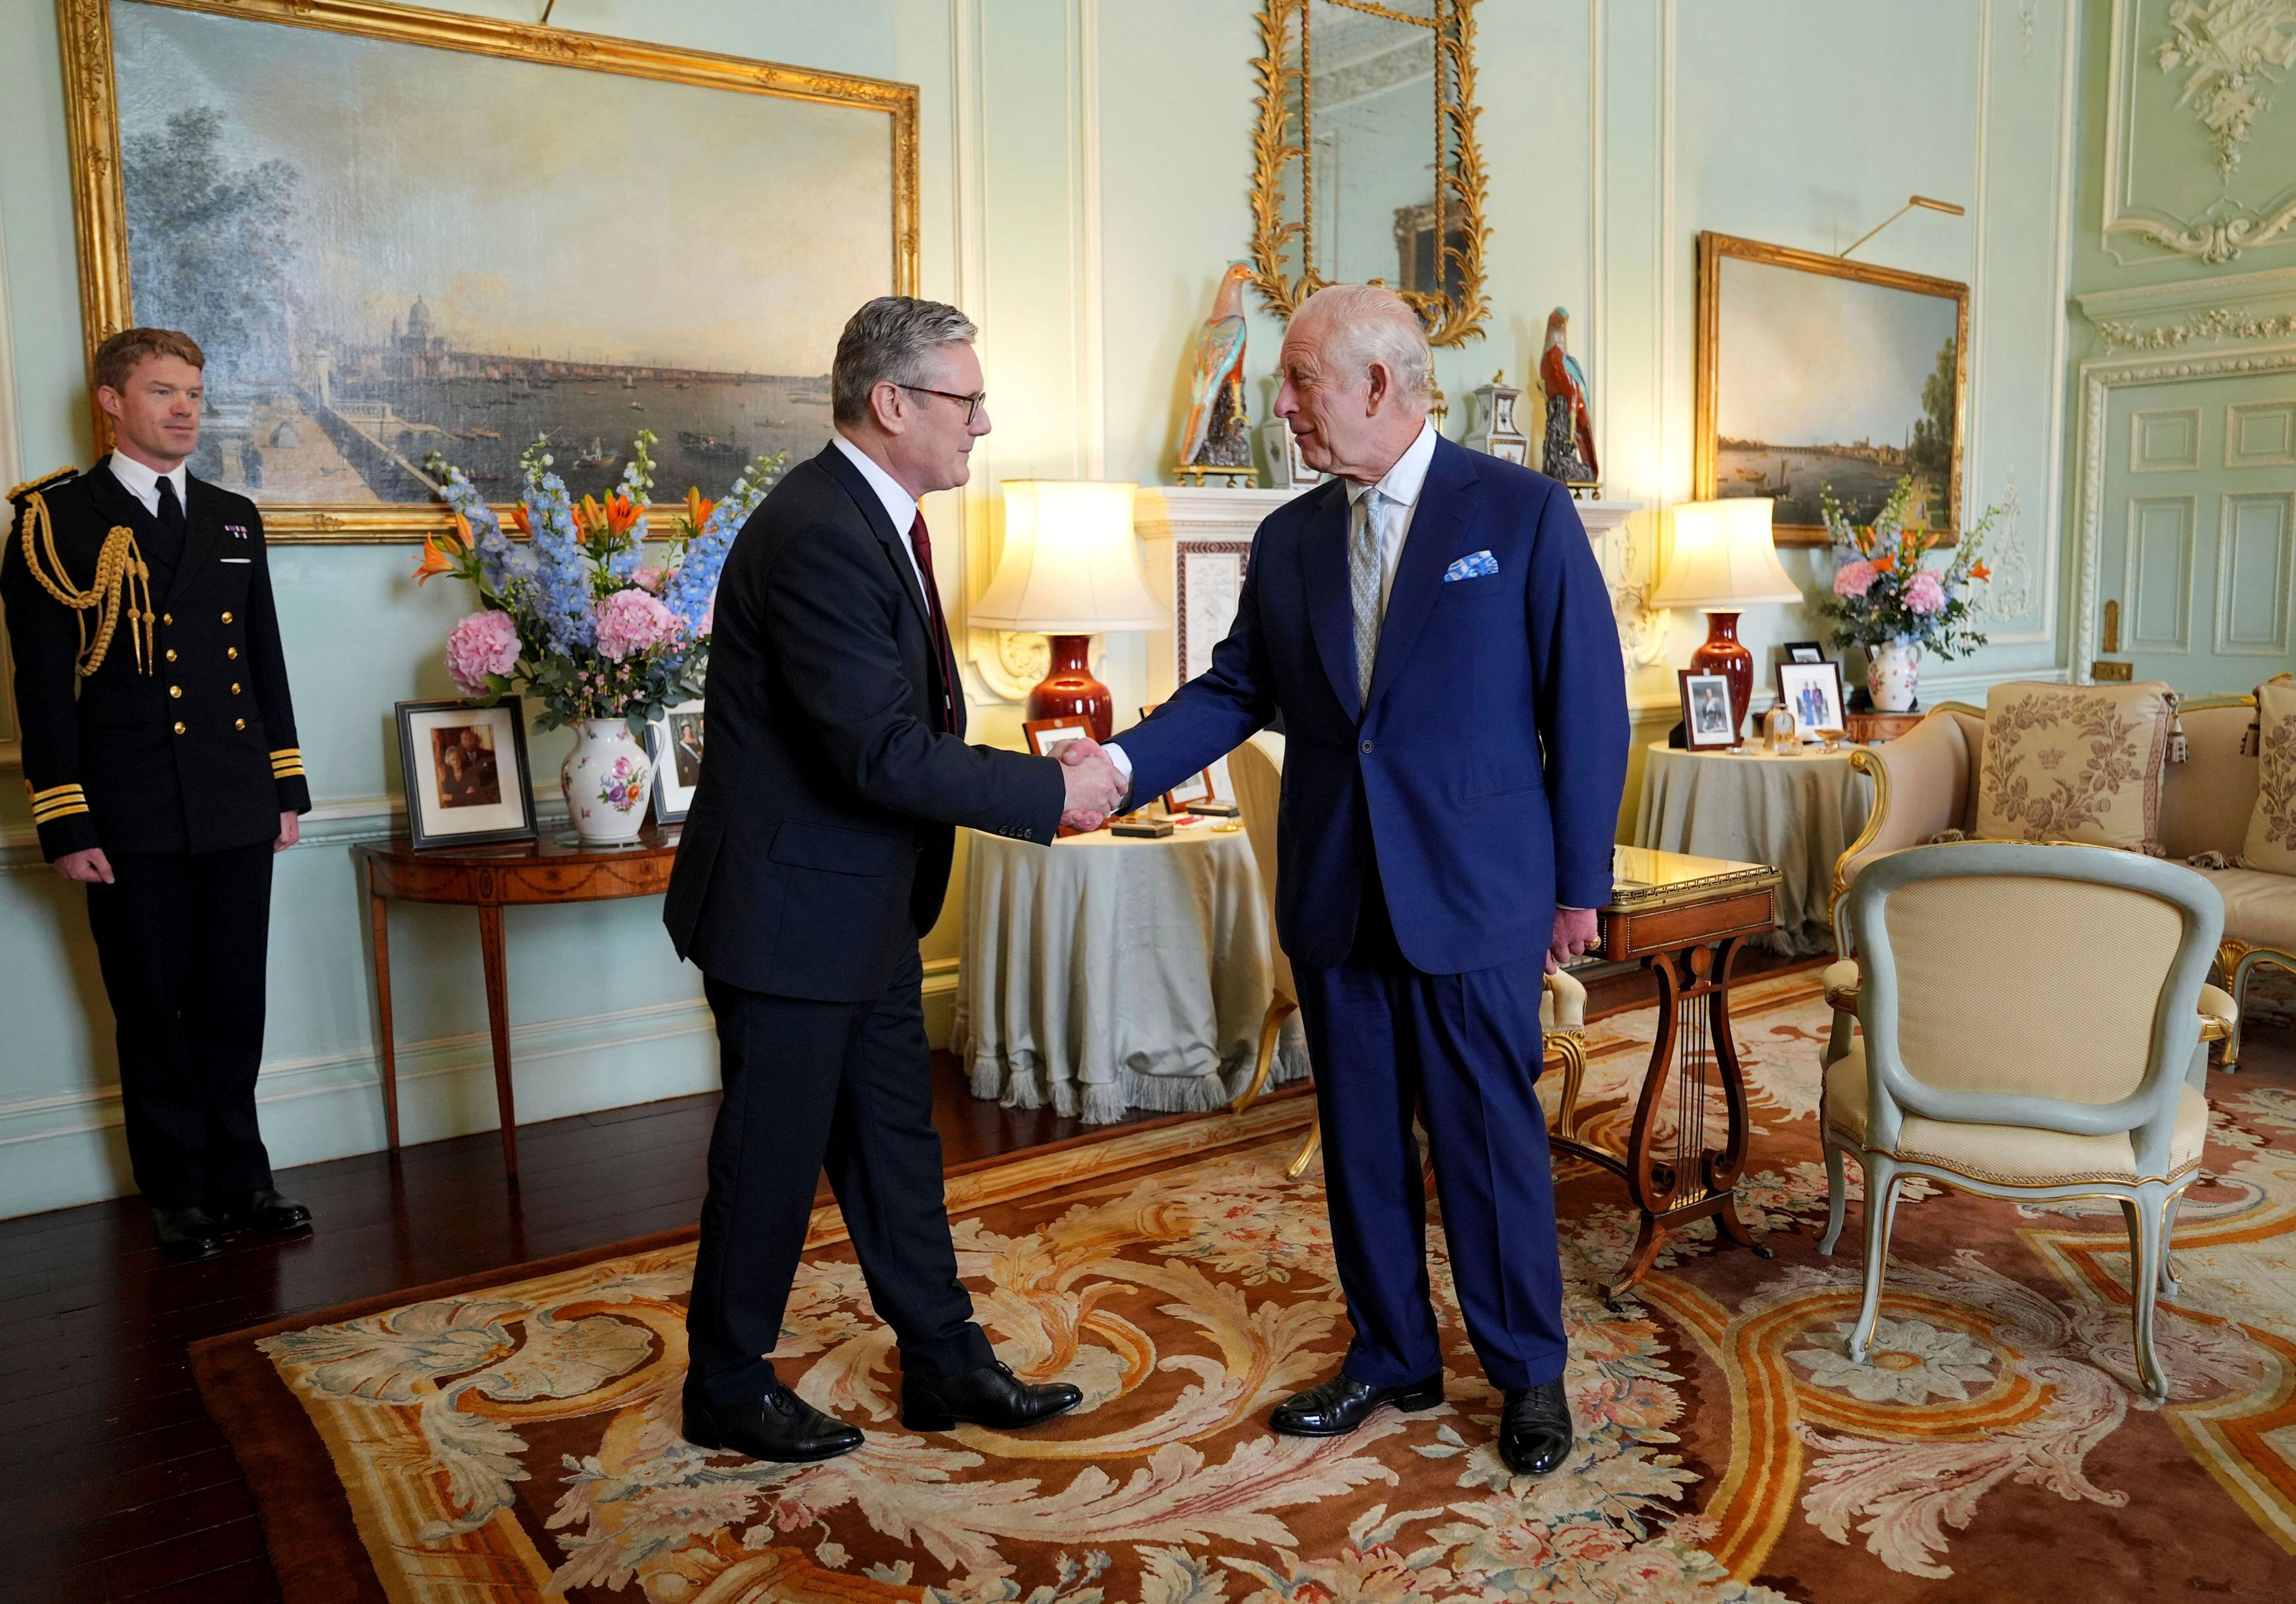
{"points": [[1486, 769]]}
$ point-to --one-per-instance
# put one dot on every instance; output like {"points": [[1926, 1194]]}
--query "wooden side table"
{"points": [[1685, 918], [1871, 730], [489, 879]]}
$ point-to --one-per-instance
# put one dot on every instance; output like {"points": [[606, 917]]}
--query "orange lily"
{"points": [[436, 559], [698, 509], [1884, 564], [1979, 571], [525, 524], [586, 515], [621, 513]]}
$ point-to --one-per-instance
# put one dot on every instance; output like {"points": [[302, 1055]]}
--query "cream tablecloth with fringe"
{"points": [[1105, 974], [1799, 812]]}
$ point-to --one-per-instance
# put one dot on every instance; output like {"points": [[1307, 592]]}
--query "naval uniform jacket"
{"points": [[193, 749]]}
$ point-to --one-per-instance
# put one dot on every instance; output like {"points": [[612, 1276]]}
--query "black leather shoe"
{"points": [[991, 1395], [263, 1211], [1535, 1429], [187, 1233], [779, 1426], [1338, 1406]]}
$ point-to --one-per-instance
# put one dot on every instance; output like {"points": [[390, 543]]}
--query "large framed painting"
{"points": [[1817, 372], [397, 231]]}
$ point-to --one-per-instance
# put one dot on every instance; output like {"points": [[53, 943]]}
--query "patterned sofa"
{"points": [[1926, 783]]}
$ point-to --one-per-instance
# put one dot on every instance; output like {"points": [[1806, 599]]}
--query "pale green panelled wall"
{"points": [[1084, 172]]}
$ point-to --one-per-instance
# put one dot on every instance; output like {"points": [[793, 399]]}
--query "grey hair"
{"points": [[1369, 324], [887, 341]]}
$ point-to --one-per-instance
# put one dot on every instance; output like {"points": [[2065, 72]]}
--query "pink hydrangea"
{"points": [[1926, 594], [631, 622], [1853, 578], [483, 644], [649, 580]]}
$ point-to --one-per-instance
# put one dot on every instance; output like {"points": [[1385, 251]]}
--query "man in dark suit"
{"points": [[1436, 636], [160, 750], [816, 854]]}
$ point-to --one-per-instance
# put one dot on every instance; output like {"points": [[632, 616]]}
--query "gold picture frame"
{"points": [[1279, 141], [1867, 468], [100, 207]]}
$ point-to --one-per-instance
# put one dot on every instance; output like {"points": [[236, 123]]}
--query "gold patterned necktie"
{"points": [[1364, 565]]}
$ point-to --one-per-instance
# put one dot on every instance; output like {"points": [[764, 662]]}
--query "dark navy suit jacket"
{"points": [[1486, 768]]}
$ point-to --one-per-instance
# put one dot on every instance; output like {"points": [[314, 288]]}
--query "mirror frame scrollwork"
{"points": [[1277, 141]]}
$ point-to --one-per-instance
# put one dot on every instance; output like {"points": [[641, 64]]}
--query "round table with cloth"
{"points": [[1797, 812], [1107, 973]]}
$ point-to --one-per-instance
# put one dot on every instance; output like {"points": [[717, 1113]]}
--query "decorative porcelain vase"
{"points": [[1893, 675], [607, 777]]}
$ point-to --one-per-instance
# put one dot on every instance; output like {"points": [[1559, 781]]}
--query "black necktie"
{"points": [[171, 511]]}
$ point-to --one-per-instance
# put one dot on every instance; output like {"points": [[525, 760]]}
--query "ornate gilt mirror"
{"points": [[1365, 168]]}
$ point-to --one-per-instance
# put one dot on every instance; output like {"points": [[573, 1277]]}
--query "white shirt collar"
{"points": [[1402, 482], [900, 506], [143, 484]]}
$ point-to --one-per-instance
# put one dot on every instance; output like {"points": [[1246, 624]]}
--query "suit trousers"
{"points": [[1387, 1039], [809, 1085], [182, 938]]}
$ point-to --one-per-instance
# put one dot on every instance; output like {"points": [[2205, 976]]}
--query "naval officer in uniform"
{"points": [[160, 750]]}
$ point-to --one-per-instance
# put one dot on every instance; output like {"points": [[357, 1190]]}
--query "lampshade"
{"points": [[1723, 558], [1069, 565]]}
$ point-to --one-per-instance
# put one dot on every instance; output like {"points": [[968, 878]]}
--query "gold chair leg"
{"points": [[1307, 1154], [1571, 1049], [1280, 1008]]}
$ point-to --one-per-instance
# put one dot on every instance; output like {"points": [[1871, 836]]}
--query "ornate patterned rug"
{"points": [[516, 1438]]}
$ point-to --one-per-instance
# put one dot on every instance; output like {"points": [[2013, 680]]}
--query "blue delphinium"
{"points": [[693, 584], [561, 570]]}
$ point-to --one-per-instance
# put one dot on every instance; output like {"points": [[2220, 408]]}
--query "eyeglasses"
{"points": [[972, 403]]}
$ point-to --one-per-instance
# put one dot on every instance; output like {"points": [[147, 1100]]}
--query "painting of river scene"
{"points": [[1818, 375], [388, 249]]}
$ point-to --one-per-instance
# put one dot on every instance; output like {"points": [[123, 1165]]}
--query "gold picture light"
{"points": [[1947, 207]]}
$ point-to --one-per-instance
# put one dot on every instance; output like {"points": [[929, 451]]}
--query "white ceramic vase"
{"points": [[1893, 675], [607, 777]]}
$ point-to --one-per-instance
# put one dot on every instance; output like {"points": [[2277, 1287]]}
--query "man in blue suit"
{"points": [[1435, 633]]}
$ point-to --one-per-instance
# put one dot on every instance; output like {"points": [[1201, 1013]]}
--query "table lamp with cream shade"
{"points": [[1069, 570], [1722, 562]]}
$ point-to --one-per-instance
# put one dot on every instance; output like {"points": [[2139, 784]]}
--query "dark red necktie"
{"points": [[921, 542]]}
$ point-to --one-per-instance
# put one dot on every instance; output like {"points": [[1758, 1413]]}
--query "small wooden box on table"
{"points": [[1685, 918], [491, 878]]}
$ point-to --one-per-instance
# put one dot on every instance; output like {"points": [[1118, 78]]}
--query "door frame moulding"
{"points": [[2098, 379]]}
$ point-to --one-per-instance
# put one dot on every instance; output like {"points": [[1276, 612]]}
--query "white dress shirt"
{"points": [[900, 506], [143, 484], [1401, 485]]}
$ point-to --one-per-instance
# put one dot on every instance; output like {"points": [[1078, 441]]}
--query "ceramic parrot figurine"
{"points": [[1570, 446], [1215, 431]]}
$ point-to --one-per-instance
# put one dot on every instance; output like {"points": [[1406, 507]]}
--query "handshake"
{"points": [[1096, 789]]}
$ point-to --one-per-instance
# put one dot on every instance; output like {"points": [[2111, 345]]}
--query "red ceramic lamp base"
{"points": [[1723, 654], [1071, 689]]}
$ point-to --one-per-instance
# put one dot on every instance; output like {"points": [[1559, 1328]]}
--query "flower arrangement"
{"points": [[577, 616], [1883, 592]]}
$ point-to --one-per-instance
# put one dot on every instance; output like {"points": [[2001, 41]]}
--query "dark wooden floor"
{"points": [[114, 1481]]}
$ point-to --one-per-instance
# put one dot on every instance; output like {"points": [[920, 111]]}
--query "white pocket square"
{"points": [[234, 559], [1477, 565]]}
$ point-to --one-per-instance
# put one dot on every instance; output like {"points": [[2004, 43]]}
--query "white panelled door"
{"points": [[2197, 580]]}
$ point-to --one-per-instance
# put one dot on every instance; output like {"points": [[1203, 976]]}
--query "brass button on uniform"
{"points": [[167, 618], [239, 724], [174, 690], [227, 617], [179, 727], [171, 654], [231, 652], [234, 687]]}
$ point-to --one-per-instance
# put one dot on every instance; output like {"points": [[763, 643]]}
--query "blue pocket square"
{"points": [[1479, 565]]}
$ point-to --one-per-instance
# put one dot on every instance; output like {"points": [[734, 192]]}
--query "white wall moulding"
{"points": [[2098, 380], [2197, 159], [2236, 309]]}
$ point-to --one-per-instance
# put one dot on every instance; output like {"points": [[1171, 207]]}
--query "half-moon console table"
{"points": [[491, 878]]}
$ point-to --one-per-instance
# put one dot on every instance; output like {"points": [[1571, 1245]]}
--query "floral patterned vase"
{"points": [[1893, 675], [607, 779]]}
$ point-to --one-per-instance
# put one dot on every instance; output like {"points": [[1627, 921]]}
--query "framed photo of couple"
{"points": [[468, 782]]}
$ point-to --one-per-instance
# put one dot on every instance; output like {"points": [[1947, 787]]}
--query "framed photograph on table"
{"points": [[1812, 692], [674, 742], [1182, 797], [1706, 721], [1046, 736], [468, 781], [1804, 651]]}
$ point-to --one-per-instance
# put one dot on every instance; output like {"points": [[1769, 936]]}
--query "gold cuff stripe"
{"points": [[286, 752], [70, 788], [50, 814], [280, 772]]}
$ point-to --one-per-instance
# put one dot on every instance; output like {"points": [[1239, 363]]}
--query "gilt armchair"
{"points": [[1255, 769], [2031, 1028]]}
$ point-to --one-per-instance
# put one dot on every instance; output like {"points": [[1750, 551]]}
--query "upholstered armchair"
{"points": [[2031, 1028], [1255, 769], [1926, 783]]}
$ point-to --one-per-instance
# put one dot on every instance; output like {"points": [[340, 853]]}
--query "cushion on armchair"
{"points": [[2075, 763], [2271, 846]]}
